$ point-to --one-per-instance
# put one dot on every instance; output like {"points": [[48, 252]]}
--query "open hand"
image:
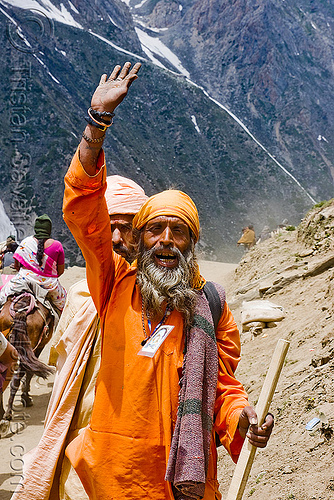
{"points": [[248, 427], [111, 91]]}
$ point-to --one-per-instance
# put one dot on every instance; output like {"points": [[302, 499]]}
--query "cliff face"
{"points": [[268, 61], [167, 133]]}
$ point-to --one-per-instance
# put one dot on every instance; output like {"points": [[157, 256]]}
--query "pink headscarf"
{"points": [[123, 196]]}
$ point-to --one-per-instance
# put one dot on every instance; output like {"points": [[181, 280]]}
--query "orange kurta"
{"points": [[123, 453]]}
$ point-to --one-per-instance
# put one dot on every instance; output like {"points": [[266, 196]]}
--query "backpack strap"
{"points": [[214, 302]]}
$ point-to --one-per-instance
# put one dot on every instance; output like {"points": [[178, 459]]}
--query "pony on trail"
{"points": [[28, 325]]}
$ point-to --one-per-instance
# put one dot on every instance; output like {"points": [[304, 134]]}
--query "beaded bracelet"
{"points": [[89, 139]]}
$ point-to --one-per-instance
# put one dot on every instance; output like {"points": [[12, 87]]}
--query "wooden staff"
{"points": [[247, 454]]}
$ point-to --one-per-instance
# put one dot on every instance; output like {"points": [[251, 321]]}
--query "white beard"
{"points": [[158, 284]]}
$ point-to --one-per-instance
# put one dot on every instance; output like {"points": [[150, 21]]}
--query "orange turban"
{"points": [[123, 196], [171, 203]]}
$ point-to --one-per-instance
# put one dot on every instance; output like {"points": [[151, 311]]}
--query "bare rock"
{"points": [[283, 281], [254, 326], [320, 266], [328, 339], [323, 358], [306, 253], [264, 287]]}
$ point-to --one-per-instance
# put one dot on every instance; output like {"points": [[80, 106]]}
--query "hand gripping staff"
{"points": [[247, 454]]}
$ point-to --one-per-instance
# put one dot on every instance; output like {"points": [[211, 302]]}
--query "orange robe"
{"points": [[248, 238], [123, 453]]}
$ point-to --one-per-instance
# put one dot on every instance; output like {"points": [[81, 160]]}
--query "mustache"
{"points": [[173, 285], [145, 257], [161, 249], [119, 248]]}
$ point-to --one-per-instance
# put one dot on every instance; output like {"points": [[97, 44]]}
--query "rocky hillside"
{"points": [[294, 270], [270, 63], [168, 133]]}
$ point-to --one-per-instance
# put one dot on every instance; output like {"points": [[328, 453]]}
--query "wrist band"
{"points": [[101, 114], [101, 126], [100, 121], [89, 139], [95, 124]]}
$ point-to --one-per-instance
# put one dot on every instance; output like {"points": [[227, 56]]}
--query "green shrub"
{"points": [[321, 204]]}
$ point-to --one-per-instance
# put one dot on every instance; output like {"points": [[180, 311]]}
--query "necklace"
{"points": [[147, 337]]}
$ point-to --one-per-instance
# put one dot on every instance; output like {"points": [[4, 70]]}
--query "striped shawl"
{"points": [[189, 455]]}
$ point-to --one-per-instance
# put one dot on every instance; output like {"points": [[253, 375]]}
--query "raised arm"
{"points": [[85, 209], [107, 96]]}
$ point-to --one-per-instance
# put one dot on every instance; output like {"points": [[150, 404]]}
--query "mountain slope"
{"points": [[167, 133], [270, 63]]}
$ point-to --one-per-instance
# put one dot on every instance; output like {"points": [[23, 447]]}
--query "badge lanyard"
{"points": [[167, 313], [153, 341]]}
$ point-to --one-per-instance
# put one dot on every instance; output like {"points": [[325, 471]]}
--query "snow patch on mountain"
{"points": [[137, 20], [193, 119], [153, 46], [140, 4], [72, 7], [46, 68], [46, 7], [114, 22], [120, 49]]}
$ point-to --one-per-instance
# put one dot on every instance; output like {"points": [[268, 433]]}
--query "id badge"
{"points": [[153, 344]]}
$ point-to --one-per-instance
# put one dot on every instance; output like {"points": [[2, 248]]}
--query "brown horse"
{"points": [[28, 324]]}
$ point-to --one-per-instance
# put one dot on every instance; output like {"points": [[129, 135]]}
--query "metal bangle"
{"points": [[103, 125], [89, 139]]}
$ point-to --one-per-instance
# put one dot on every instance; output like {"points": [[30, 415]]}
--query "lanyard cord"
{"points": [[147, 337]]}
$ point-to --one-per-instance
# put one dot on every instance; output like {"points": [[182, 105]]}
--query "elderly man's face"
{"points": [[122, 236], [163, 234]]}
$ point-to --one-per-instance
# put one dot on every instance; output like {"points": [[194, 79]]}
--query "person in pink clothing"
{"points": [[39, 260]]}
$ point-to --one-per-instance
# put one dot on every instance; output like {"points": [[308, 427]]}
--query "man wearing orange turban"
{"points": [[166, 383], [173, 203]]}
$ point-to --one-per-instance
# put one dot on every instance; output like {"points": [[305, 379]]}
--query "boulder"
{"points": [[261, 310], [253, 325]]}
